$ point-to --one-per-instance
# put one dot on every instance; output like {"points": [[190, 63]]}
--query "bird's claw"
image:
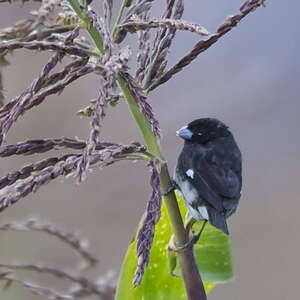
{"points": [[194, 239], [176, 248], [170, 189]]}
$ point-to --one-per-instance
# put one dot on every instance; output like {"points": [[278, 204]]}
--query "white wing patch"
{"points": [[191, 196], [190, 173], [203, 212]]}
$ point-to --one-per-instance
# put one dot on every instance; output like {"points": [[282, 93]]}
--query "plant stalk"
{"points": [[190, 272], [189, 269], [118, 19], [94, 33]]}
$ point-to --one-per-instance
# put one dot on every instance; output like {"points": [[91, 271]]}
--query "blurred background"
{"points": [[249, 79]]}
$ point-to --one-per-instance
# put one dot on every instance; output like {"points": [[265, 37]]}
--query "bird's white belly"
{"points": [[191, 196]]}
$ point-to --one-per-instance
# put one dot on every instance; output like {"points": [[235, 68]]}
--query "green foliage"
{"points": [[212, 252]]}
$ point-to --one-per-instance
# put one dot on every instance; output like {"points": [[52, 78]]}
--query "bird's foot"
{"points": [[181, 248], [193, 240], [173, 248], [170, 189]]}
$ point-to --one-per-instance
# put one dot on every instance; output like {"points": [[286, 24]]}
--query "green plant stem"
{"points": [[45, 32], [118, 19], [189, 269], [143, 124], [94, 33], [190, 272]]}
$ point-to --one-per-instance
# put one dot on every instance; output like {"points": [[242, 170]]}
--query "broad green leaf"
{"points": [[212, 254]]}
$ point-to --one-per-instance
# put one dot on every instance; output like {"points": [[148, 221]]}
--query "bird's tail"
{"points": [[217, 219]]}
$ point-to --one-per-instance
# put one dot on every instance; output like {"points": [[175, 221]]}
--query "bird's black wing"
{"points": [[216, 172]]}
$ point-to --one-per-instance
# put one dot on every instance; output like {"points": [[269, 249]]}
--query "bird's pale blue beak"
{"points": [[184, 133]]}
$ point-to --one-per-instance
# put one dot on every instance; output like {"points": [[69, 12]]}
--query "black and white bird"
{"points": [[209, 171]]}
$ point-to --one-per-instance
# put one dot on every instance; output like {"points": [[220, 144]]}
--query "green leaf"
{"points": [[212, 253], [214, 256]]}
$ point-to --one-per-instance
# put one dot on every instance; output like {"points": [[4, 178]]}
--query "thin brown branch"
{"points": [[203, 45], [190, 271], [147, 231], [136, 25], [96, 124], [36, 289], [19, 30], [141, 100], [50, 80], [69, 238], [36, 85], [23, 1], [1, 90], [45, 46], [90, 110], [43, 145], [12, 177], [157, 63], [27, 101], [66, 165], [73, 277], [44, 33]]}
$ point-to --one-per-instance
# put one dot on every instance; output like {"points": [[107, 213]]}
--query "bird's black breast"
{"points": [[214, 171]]}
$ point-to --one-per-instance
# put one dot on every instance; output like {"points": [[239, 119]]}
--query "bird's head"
{"points": [[203, 131]]}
